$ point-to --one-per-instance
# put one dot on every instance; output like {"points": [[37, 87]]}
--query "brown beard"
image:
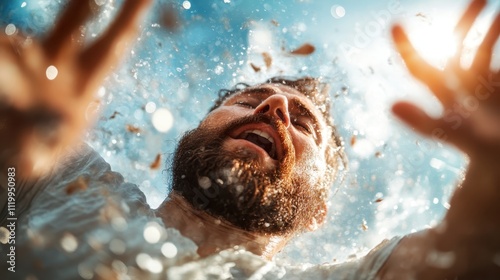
{"points": [[234, 186]]}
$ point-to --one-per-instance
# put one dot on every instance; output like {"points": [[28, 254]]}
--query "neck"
{"points": [[213, 234]]}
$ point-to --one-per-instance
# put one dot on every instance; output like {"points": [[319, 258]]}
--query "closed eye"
{"points": [[302, 126], [245, 104]]}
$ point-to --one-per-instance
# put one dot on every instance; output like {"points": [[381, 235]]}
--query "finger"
{"points": [[415, 63], [100, 57], [445, 129], [417, 66], [76, 13], [483, 57], [465, 24]]}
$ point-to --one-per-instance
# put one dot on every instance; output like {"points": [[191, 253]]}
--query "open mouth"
{"points": [[261, 139]]}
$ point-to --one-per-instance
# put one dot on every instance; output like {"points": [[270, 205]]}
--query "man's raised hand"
{"points": [[47, 85], [470, 97], [470, 231]]}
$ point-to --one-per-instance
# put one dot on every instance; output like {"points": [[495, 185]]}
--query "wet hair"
{"points": [[319, 93]]}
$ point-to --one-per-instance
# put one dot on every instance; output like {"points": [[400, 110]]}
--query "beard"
{"points": [[234, 186]]}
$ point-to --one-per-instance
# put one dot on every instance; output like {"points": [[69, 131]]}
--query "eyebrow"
{"points": [[303, 108]]}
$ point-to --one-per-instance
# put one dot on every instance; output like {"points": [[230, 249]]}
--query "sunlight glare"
{"points": [[435, 42]]}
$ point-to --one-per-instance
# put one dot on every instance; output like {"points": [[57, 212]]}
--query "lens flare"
{"points": [[434, 41]]}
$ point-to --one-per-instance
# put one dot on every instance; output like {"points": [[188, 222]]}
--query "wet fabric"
{"points": [[84, 221]]}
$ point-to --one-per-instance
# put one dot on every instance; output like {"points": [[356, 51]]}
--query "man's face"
{"points": [[257, 161]]}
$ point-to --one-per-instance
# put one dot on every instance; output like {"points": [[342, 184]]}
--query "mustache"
{"points": [[250, 120]]}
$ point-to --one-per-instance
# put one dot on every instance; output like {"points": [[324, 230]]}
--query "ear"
{"points": [[319, 218]]}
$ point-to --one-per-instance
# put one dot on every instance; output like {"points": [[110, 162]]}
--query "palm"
{"points": [[470, 97], [47, 85]]}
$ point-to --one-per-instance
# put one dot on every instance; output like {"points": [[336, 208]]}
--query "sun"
{"points": [[434, 40]]}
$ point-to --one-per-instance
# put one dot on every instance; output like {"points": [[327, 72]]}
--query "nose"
{"points": [[276, 106]]}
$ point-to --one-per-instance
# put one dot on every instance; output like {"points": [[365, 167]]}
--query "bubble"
{"points": [[51, 72], [69, 242], [239, 189], [10, 29], [163, 120], [117, 246], [155, 266], [169, 250], [186, 5], [150, 107], [152, 232], [364, 148], [204, 182], [260, 39], [119, 266], [23, 5], [145, 261], [119, 223], [219, 70], [138, 114], [227, 1], [337, 11], [101, 92], [142, 260], [440, 259], [85, 272]]}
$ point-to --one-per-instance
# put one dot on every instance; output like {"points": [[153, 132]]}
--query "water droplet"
{"points": [[204, 182], [145, 261], [69, 242], [150, 107], [239, 189], [142, 260], [155, 266], [119, 266], [101, 92], [51, 72], [10, 29], [337, 11], [169, 250], [138, 114], [85, 272], [163, 120], [152, 232], [186, 5], [219, 70], [117, 246], [119, 223], [440, 259]]}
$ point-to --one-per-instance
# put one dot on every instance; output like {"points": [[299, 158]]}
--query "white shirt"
{"points": [[83, 221]]}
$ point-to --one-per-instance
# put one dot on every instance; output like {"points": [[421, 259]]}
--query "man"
{"points": [[254, 173]]}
